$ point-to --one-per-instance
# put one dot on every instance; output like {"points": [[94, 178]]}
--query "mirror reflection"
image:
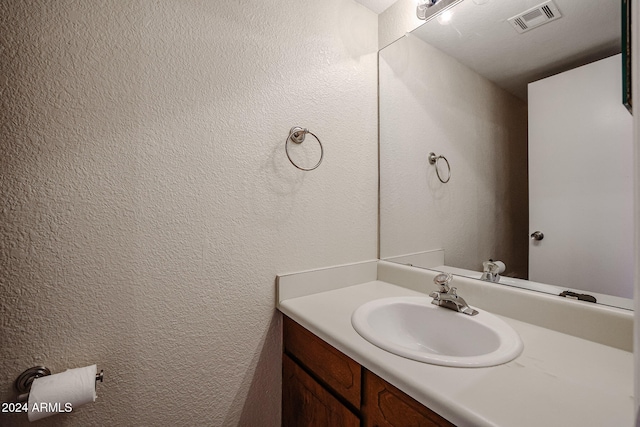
{"points": [[526, 114]]}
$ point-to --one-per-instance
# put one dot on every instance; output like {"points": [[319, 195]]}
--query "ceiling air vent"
{"points": [[536, 16]]}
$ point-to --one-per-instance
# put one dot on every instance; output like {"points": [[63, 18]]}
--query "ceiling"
{"points": [[378, 6], [480, 37]]}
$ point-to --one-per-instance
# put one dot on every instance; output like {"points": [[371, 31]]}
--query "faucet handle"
{"points": [[490, 267], [443, 280]]}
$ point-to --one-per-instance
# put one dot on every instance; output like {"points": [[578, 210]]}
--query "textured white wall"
{"points": [[147, 201], [397, 20], [430, 102]]}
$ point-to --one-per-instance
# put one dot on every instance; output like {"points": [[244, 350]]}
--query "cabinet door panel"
{"points": [[386, 406], [333, 368], [305, 403]]}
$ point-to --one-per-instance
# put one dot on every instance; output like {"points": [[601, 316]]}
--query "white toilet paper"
{"points": [[62, 393]]}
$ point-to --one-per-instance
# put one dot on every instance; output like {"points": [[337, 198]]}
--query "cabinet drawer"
{"points": [[333, 369], [386, 406]]}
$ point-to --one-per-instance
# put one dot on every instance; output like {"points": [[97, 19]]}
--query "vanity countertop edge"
{"points": [[559, 379]]}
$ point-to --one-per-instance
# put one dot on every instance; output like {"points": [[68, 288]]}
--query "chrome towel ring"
{"points": [[433, 159], [297, 134]]}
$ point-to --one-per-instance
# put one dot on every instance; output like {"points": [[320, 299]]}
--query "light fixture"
{"points": [[428, 9], [445, 17]]}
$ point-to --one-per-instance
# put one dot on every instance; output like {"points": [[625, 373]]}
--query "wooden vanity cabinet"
{"points": [[386, 406], [322, 387], [306, 403]]}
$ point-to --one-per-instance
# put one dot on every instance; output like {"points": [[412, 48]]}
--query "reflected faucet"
{"points": [[490, 271], [447, 297]]}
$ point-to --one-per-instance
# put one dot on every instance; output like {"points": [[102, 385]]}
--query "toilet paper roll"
{"points": [[62, 393]]}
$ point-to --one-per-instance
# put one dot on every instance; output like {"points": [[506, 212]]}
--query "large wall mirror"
{"points": [[527, 113]]}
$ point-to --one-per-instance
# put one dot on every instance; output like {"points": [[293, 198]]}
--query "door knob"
{"points": [[537, 235]]}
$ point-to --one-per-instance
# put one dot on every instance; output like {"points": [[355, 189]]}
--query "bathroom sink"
{"points": [[414, 328]]}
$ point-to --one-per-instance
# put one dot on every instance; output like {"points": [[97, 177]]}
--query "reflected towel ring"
{"points": [[297, 134], [433, 159]]}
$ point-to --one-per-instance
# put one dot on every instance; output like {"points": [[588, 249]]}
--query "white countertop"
{"points": [[558, 380]]}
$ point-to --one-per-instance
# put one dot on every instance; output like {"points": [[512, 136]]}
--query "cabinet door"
{"points": [[332, 368], [386, 406], [580, 180], [305, 403]]}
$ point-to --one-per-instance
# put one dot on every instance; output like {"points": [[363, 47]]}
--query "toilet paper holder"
{"points": [[24, 380]]}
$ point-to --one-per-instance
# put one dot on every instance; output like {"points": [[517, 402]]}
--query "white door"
{"points": [[581, 180]]}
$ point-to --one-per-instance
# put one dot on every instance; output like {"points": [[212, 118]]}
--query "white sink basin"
{"points": [[414, 328]]}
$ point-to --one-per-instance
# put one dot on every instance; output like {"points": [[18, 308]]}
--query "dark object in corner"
{"points": [[626, 55], [581, 297]]}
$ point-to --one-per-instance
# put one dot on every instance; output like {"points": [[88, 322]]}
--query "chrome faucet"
{"points": [[447, 297], [490, 271]]}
